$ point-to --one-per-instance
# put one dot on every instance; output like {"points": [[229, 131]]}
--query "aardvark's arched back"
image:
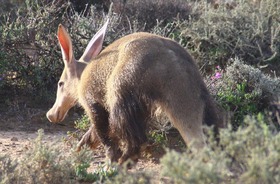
{"points": [[120, 87]]}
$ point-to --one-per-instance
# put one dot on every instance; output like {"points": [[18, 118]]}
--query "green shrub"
{"points": [[248, 155], [101, 174], [248, 31], [41, 164], [44, 163], [29, 46], [29, 51], [126, 177], [158, 137], [148, 13], [244, 90], [81, 125], [267, 86]]}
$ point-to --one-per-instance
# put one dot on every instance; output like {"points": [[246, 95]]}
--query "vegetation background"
{"points": [[236, 45]]}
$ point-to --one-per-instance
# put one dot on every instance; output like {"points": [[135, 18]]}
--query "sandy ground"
{"points": [[14, 143]]}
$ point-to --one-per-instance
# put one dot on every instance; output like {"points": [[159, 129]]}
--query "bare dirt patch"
{"points": [[19, 124]]}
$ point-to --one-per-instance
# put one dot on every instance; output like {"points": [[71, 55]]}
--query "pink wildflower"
{"points": [[218, 75]]}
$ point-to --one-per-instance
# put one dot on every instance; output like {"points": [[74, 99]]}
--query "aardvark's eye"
{"points": [[60, 83]]}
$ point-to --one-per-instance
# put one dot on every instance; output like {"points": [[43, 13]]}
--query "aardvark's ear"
{"points": [[95, 45], [65, 45]]}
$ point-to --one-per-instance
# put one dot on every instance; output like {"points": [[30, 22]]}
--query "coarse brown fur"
{"points": [[121, 86]]}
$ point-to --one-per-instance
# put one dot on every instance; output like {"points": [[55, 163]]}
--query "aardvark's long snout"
{"points": [[56, 114]]}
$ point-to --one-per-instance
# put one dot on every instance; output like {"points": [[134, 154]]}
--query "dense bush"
{"points": [[249, 31], [244, 90], [248, 155], [28, 52], [147, 14]]}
